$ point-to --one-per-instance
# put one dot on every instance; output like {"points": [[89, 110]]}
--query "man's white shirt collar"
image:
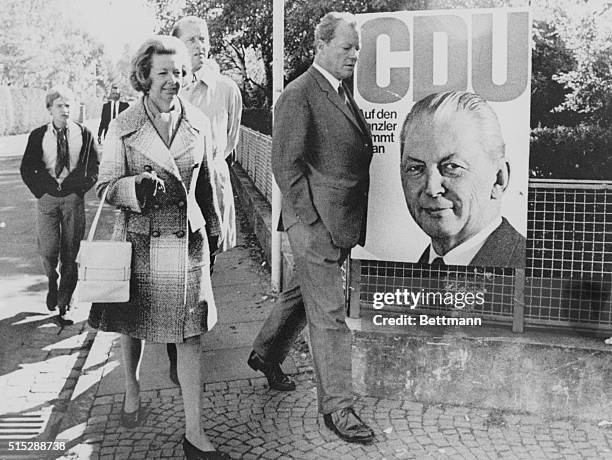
{"points": [[466, 251], [333, 81], [208, 73], [70, 125]]}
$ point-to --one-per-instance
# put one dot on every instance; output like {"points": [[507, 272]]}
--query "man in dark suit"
{"points": [[454, 174], [110, 110], [321, 153]]}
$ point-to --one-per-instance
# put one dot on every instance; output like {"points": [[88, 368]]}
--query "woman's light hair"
{"points": [[140, 71], [440, 107]]}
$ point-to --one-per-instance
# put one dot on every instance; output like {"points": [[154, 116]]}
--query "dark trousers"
{"points": [[314, 296], [60, 224]]}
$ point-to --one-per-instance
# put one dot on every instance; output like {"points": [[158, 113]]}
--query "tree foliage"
{"points": [[41, 47], [589, 83], [572, 47], [240, 38], [301, 18], [242, 30], [550, 57]]}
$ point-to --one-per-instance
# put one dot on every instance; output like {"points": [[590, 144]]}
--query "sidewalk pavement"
{"points": [[70, 381]]}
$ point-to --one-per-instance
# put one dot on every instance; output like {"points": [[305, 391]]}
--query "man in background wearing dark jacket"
{"points": [[59, 165], [110, 110]]}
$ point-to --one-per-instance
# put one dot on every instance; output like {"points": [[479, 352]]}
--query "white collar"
{"points": [[154, 111], [333, 81], [208, 73], [466, 251], [69, 125]]}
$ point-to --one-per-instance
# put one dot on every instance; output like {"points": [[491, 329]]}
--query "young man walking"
{"points": [[59, 165]]}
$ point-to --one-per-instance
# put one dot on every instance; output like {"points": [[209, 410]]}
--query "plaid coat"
{"points": [[171, 295]]}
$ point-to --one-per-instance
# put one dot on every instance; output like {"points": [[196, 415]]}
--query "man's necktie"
{"points": [[344, 97], [114, 107], [354, 110], [342, 93], [63, 157]]}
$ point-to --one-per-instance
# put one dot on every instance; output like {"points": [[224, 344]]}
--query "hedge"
{"points": [[21, 109], [258, 120], [579, 152], [6, 110]]}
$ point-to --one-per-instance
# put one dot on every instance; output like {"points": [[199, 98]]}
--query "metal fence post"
{"points": [[518, 304], [353, 281]]}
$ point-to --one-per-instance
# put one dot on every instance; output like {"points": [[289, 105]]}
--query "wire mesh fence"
{"points": [[568, 275]]}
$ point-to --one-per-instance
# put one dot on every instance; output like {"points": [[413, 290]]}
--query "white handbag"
{"points": [[104, 267]]}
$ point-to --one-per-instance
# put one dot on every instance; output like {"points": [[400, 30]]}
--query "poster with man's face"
{"points": [[446, 95]]}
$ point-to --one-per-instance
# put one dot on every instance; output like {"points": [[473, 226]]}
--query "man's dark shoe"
{"points": [[62, 322], [61, 318], [277, 379], [51, 300], [348, 426]]}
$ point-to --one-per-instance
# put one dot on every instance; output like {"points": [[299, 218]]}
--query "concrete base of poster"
{"points": [[545, 374]]}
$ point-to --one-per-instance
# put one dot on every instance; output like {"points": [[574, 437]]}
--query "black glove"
{"points": [[146, 192]]}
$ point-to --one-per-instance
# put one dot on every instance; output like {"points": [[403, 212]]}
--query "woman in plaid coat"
{"points": [[154, 154]]}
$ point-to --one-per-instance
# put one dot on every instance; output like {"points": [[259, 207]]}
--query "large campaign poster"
{"points": [[408, 55]]}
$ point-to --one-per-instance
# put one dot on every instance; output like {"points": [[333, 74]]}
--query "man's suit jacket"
{"points": [[321, 153], [106, 116], [505, 247]]}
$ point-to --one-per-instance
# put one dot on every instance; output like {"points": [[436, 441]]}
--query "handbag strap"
{"points": [[94, 224]]}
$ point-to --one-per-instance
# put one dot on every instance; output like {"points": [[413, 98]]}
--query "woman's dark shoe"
{"points": [[174, 375], [193, 453], [131, 419], [171, 350], [277, 379]]}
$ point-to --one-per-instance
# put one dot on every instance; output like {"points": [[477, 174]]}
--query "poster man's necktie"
{"points": [[63, 157], [438, 262]]}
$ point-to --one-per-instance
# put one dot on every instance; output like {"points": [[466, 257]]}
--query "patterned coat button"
{"points": [[180, 234], [155, 233], [181, 204]]}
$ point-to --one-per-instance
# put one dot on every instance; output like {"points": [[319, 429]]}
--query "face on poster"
{"points": [[450, 187]]}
